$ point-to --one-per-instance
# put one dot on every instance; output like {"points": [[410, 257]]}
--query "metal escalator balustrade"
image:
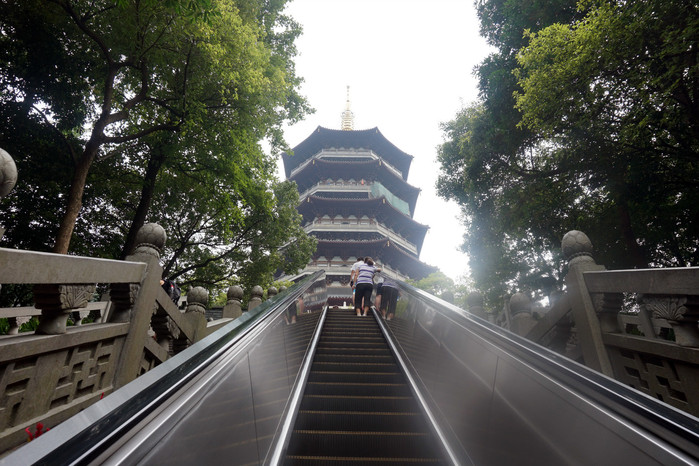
{"points": [[253, 394], [502, 400], [357, 406], [218, 402]]}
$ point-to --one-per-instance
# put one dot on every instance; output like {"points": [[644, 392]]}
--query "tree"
{"points": [[587, 121], [489, 164], [616, 93], [103, 74]]}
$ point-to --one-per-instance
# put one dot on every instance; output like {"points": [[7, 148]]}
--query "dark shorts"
{"points": [[363, 291], [389, 298]]}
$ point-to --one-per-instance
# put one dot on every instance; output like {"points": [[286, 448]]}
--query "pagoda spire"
{"points": [[347, 116]]}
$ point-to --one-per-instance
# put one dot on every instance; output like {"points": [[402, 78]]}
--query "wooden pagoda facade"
{"points": [[354, 198]]}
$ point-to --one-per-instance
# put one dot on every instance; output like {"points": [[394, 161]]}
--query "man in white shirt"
{"points": [[354, 270]]}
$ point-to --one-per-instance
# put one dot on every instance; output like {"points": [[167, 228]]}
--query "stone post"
{"points": [[271, 292], [8, 178], [135, 302], [474, 300], [197, 300], [577, 249], [233, 309], [255, 297], [521, 320]]}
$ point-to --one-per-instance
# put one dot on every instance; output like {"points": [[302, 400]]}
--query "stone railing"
{"points": [[52, 373], [637, 326], [56, 371]]}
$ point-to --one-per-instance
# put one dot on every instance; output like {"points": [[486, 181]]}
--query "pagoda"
{"points": [[354, 198]]}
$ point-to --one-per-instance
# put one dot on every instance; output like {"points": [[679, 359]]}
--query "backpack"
{"points": [[172, 290]]}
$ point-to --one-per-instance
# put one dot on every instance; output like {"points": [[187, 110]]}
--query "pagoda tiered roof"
{"points": [[325, 138], [382, 251], [379, 208], [370, 170]]}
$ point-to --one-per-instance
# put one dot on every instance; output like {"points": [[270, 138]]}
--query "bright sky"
{"points": [[409, 67]]}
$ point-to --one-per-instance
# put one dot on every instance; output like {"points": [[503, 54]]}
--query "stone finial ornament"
{"points": [[272, 291], [474, 301], [233, 308], [520, 303], [255, 297], [197, 300], [8, 173], [576, 244], [150, 240], [234, 293]]}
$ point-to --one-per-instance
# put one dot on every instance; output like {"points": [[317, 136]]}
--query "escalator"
{"points": [[293, 382], [358, 405]]}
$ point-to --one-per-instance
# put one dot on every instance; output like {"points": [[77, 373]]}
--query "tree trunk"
{"points": [[154, 163], [637, 256], [75, 199]]}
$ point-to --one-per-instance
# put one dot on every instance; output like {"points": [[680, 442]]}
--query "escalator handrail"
{"points": [[675, 427], [81, 438], [454, 457], [283, 434]]}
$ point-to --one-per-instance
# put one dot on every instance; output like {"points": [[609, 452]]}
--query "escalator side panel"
{"points": [[503, 410], [265, 379], [207, 433], [218, 402]]}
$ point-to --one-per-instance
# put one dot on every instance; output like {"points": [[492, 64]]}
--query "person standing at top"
{"points": [[365, 286], [353, 280]]}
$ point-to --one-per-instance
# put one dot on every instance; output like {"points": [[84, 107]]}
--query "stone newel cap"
{"points": [[8, 173], [576, 243]]}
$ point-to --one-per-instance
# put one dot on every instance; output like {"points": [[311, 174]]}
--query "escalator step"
{"points": [[358, 403], [357, 389], [357, 407], [363, 444], [354, 421], [341, 356], [344, 366], [369, 461], [355, 377]]}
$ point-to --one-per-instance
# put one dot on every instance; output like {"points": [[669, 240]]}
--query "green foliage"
{"points": [[30, 325], [97, 79], [444, 288], [161, 107], [585, 122], [615, 93]]}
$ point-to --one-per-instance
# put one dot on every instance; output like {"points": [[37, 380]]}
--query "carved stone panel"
{"points": [[56, 302]]}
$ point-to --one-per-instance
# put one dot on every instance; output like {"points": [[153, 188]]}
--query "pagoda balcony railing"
{"points": [[357, 225], [344, 186], [370, 190], [344, 153], [345, 269]]}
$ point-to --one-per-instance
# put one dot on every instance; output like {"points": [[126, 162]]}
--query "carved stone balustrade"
{"points": [[57, 302]]}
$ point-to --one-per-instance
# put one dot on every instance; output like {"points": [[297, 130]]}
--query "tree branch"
{"points": [[140, 134]]}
